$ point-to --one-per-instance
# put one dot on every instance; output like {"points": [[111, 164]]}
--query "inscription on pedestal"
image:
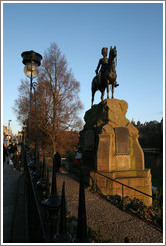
{"points": [[122, 141]]}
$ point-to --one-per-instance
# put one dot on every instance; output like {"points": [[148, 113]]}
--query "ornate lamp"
{"points": [[32, 61]]}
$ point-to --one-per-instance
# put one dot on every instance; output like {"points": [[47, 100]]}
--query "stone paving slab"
{"points": [[104, 217], [20, 222], [10, 184], [13, 183]]}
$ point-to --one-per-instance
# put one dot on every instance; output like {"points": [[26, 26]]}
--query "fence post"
{"points": [[82, 235], [53, 203], [47, 184], [126, 240], [42, 183], [62, 236], [122, 195], [94, 181]]}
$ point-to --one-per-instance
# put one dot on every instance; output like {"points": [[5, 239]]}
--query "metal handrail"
{"points": [[127, 186]]}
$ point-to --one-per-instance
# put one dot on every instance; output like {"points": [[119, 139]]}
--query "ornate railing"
{"points": [[46, 211], [37, 229]]}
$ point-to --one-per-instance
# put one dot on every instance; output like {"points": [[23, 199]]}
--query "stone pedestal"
{"points": [[110, 146]]}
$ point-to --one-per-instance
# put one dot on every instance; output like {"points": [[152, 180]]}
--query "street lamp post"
{"points": [[36, 142], [31, 60]]}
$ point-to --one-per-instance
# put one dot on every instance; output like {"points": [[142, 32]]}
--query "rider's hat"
{"points": [[104, 51]]}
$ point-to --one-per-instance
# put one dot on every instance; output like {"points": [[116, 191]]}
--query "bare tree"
{"points": [[21, 105], [57, 96]]}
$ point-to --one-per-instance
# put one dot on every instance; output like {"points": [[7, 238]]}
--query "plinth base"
{"points": [[137, 179]]}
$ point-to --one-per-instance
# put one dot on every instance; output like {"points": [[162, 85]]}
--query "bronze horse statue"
{"points": [[109, 77]]}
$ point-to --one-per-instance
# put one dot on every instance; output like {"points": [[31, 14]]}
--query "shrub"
{"points": [[137, 207], [157, 199]]}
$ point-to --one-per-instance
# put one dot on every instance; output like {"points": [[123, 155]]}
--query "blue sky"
{"points": [[81, 30]]}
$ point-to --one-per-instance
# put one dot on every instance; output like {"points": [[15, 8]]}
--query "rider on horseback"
{"points": [[103, 62]]}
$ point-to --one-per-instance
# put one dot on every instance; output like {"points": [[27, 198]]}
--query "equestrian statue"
{"points": [[107, 74]]}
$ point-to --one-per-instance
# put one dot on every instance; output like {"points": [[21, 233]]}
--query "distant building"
{"points": [[20, 136], [7, 134], [133, 122]]}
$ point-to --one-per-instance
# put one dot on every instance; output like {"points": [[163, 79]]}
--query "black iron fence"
{"points": [[46, 210], [37, 228]]}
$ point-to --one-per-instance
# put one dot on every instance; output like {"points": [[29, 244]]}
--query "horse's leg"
{"points": [[93, 94], [107, 89], [112, 90], [93, 89], [102, 95]]}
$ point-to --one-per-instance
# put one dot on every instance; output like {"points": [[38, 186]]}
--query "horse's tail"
{"points": [[94, 85]]}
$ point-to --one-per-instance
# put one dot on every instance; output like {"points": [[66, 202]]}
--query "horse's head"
{"points": [[113, 52], [112, 59]]}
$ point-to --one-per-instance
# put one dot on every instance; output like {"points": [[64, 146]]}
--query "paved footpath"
{"points": [[104, 217], [14, 216]]}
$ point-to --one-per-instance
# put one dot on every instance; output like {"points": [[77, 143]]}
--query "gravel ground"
{"points": [[104, 217]]}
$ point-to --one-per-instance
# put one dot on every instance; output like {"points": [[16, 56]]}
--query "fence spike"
{"points": [[48, 183], [53, 204], [82, 235], [126, 240], [63, 236], [43, 167], [62, 224], [53, 186]]}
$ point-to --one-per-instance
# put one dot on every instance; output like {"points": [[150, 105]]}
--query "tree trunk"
{"points": [[54, 147]]}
